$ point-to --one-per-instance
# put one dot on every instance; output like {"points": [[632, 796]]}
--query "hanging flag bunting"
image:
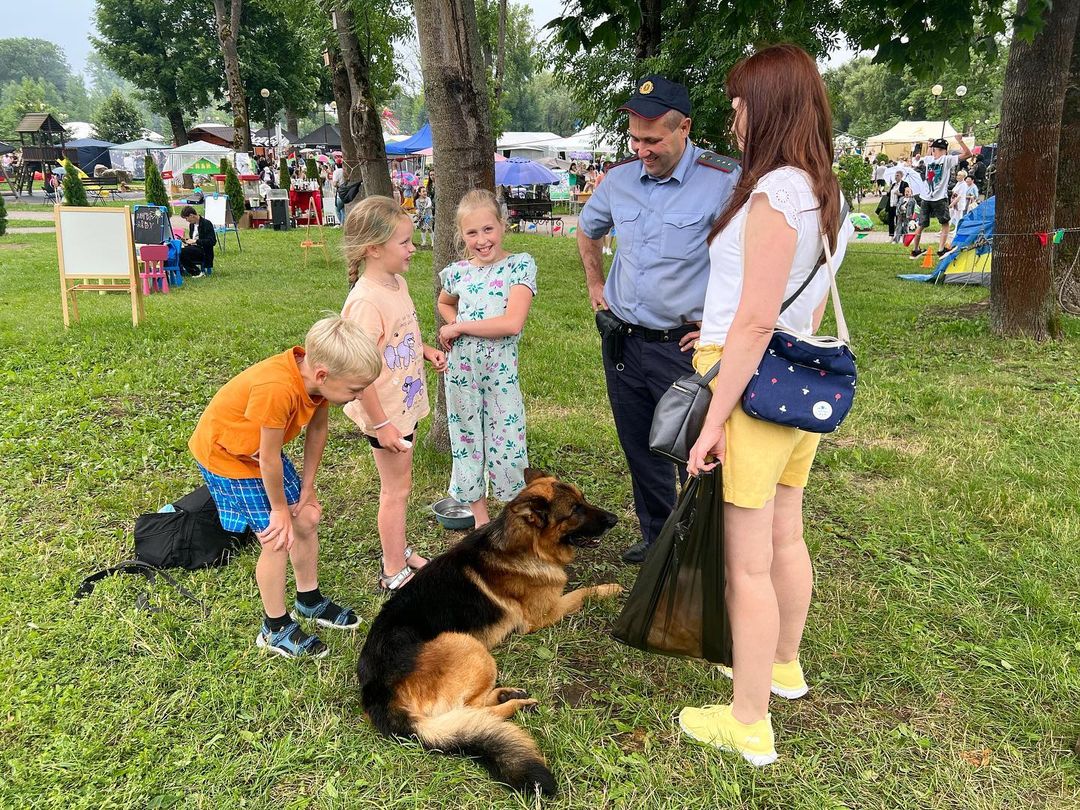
{"points": [[1059, 234], [1043, 238]]}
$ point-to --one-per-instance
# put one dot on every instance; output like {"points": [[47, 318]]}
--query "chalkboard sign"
{"points": [[151, 225]]}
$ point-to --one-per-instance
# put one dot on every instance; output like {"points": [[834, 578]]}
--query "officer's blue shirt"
{"points": [[661, 268]]}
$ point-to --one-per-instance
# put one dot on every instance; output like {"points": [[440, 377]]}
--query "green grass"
{"points": [[30, 223], [134, 197], [942, 644]]}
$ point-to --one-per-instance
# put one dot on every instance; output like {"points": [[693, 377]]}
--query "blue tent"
{"points": [[969, 260], [90, 152], [414, 143]]}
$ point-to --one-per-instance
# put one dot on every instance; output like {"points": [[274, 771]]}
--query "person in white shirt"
{"points": [[965, 195], [763, 247], [337, 180], [935, 199]]}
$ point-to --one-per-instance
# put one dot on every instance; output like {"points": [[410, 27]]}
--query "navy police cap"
{"points": [[654, 95]]}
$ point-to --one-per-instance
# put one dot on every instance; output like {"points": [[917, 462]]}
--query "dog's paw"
{"points": [[512, 694], [529, 705], [612, 589]]}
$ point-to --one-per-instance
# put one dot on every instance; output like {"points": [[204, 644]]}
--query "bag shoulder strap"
{"points": [[86, 587], [838, 311], [821, 260]]}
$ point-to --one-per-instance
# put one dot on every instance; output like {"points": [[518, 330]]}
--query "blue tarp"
{"points": [[91, 152], [414, 143], [974, 235]]}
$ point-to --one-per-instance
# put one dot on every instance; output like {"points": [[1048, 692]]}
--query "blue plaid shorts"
{"points": [[242, 502]]}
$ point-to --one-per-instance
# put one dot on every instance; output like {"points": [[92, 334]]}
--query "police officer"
{"points": [[662, 203]]}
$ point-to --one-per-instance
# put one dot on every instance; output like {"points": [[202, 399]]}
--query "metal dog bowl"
{"points": [[453, 514]]}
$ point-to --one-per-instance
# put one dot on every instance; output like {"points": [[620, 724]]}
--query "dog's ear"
{"points": [[533, 511], [532, 474]]}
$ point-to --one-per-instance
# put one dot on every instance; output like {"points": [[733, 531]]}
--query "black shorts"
{"points": [[933, 208], [374, 441]]}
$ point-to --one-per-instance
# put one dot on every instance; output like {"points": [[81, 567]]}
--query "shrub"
{"points": [[311, 169], [3, 216], [855, 177], [235, 191], [155, 186], [284, 179], [74, 191]]}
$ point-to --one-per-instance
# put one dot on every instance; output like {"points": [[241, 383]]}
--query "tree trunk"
{"points": [[1067, 210], [649, 34], [1021, 295], [228, 29], [292, 124], [500, 56], [339, 77], [365, 123], [176, 122], [455, 89]]}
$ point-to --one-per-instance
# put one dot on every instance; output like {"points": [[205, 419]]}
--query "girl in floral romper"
{"points": [[485, 300]]}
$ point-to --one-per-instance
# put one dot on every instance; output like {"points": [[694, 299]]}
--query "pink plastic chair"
{"points": [[153, 273], [178, 233]]}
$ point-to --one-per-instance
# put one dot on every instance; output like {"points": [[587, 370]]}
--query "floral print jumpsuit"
{"points": [[483, 400]]}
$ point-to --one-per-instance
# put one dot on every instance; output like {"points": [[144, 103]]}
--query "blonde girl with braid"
{"points": [[378, 247]]}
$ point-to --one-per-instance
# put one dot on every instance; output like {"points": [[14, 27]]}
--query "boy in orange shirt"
{"points": [[238, 446]]}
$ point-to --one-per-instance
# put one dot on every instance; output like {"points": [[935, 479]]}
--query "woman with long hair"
{"points": [[762, 248]]}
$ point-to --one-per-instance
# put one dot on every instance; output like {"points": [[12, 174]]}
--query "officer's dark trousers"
{"points": [[648, 370]]}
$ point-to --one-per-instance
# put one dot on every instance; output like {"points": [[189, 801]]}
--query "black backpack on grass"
{"points": [[191, 537]]}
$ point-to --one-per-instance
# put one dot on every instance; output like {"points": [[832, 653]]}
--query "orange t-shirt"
{"points": [[268, 394]]}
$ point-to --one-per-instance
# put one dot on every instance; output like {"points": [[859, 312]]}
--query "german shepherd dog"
{"points": [[425, 670]]}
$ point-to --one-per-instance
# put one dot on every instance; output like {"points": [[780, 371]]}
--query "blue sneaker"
{"points": [[291, 642], [327, 614]]}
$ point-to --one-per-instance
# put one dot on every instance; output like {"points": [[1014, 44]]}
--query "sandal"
{"points": [[391, 584], [408, 554], [328, 614]]}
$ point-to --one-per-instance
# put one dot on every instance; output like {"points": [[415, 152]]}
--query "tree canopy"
{"points": [[118, 119], [868, 97]]}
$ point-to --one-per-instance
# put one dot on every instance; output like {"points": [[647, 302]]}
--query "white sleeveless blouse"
{"points": [[788, 190]]}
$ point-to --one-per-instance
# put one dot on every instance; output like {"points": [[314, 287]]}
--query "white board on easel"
{"points": [[218, 211], [96, 245]]}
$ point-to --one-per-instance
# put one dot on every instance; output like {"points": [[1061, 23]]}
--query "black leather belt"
{"points": [[659, 335]]}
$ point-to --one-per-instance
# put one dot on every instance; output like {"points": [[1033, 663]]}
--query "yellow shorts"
{"points": [[760, 454]]}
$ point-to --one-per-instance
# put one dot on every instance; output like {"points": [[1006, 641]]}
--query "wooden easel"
{"points": [[96, 253], [308, 243]]}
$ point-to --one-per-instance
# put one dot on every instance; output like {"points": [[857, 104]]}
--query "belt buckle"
{"points": [[665, 335]]}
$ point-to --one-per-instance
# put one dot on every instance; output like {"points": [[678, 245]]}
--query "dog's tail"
{"points": [[509, 754]]}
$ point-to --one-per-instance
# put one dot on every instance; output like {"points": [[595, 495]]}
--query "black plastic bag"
{"points": [[677, 604]]}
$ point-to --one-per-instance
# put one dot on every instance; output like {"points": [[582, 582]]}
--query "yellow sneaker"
{"points": [[787, 679], [715, 726]]}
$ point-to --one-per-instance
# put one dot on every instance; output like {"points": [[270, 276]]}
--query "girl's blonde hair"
{"points": [[477, 198], [371, 222]]}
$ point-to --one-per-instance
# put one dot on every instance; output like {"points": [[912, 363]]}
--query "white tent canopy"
{"points": [[589, 139], [78, 130], [182, 157], [898, 141], [526, 144], [130, 156]]}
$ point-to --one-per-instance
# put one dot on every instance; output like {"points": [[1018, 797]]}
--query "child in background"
{"points": [[238, 446], [378, 247], [905, 214], [485, 300], [425, 217]]}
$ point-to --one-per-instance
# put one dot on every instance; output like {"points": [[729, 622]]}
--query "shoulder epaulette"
{"points": [[623, 162], [715, 161]]}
